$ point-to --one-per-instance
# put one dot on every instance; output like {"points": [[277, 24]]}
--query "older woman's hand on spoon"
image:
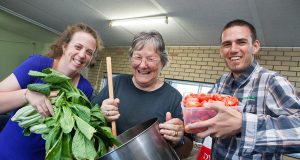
{"points": [[110, 109]]}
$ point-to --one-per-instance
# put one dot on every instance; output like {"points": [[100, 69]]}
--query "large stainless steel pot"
{"points": [[142, 142]]}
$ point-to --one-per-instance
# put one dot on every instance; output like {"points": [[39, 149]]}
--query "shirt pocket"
{"points": [[250, 106]]}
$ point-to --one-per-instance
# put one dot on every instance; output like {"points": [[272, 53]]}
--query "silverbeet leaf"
{"points": [[66, 147], [75, 97], [97, 118], [82, 111], [53, 121], [37, 74], [56, 79], [82, 148], [60, 100], [107, 131], [86, 129], [53, 135], [41, 88], [54, 76], [101, 149], [67, 120], [56, 149]]}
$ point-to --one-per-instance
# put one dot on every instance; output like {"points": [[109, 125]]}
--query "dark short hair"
{"points": [[239, 22], [152, 37]]}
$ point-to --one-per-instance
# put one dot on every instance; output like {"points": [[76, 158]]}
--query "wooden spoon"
{"points": [[110, 90]]}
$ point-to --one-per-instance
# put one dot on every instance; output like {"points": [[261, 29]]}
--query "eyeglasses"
{"points": [[137, 60]]}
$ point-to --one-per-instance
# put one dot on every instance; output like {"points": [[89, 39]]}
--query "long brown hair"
{"points": [[56, 48]]}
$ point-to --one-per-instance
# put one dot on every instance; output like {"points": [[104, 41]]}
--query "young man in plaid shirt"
{"points": [[269, 122]]}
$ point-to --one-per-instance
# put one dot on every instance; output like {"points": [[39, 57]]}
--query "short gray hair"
{"points": [[152, 37]]}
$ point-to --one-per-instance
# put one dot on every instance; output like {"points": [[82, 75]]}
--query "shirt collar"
{"points": [[243, 77]]}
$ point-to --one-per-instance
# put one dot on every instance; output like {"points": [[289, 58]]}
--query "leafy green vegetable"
{"points": [[56, 149], [53, 136], [82, 147], [50, 76], [86, 129], [37, 74], [66, 146], [67, 120], [42, 88], [77, 130], [82, 111]]}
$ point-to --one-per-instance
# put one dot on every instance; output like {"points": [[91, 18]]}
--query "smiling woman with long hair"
{"points": [[70, 53]]}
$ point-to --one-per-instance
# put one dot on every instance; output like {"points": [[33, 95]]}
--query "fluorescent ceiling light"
{"points": [[139, 21]]}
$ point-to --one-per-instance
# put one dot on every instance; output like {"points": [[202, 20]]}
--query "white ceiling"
{"points": [[191, 23]]}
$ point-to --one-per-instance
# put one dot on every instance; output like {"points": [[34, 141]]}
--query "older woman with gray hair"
{"points": [[142, 95]]}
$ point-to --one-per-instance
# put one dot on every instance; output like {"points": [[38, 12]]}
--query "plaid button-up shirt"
{"points": [[271, 116]]}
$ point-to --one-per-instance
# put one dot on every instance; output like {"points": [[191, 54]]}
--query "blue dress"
{"points": [[13, 144]]}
